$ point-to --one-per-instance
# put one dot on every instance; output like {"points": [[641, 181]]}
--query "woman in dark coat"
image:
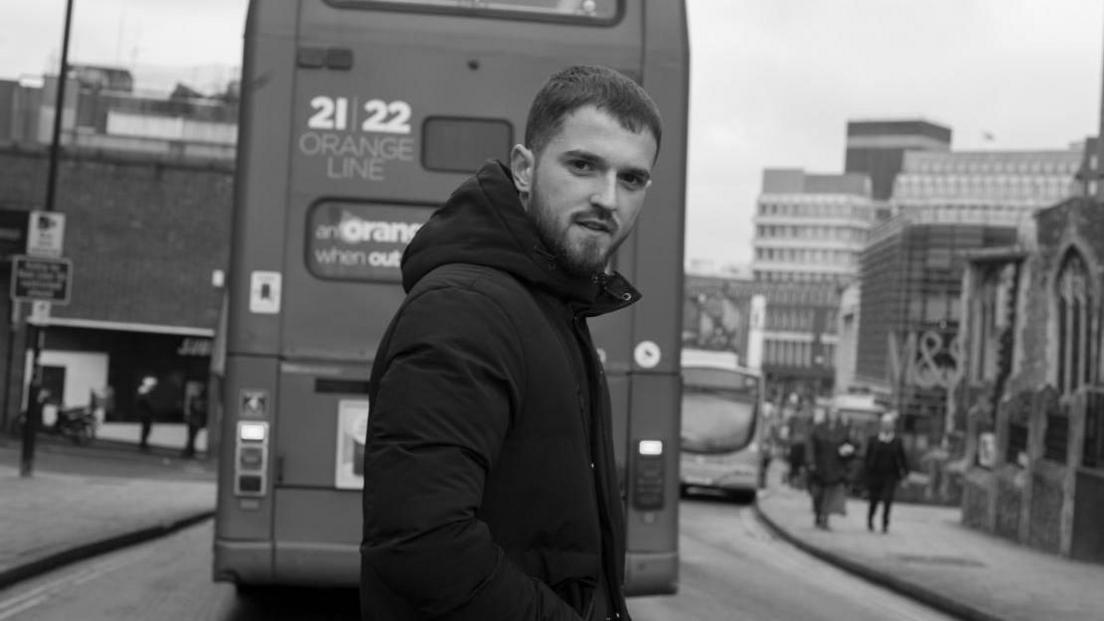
{"points": [[829, 451], [885, 467]]}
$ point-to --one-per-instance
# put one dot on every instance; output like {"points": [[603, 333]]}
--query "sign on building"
{"points": [[41, 279], [45, 234]]}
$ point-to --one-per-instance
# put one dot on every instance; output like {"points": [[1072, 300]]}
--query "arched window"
{"points": [[1075, 355]]}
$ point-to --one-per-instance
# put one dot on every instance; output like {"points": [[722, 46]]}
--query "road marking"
{"points": [[43, 592], [712, 525], [31, 603]]}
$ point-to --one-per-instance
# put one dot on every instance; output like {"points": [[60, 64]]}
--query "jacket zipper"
{"points": [[597, 434]]}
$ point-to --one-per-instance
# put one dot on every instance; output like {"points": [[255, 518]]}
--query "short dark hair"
{"points": [[589, 85]]}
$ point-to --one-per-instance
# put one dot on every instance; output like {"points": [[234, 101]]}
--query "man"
{"points": [[885, 465], [195, 416], [829, 452], [143, 405], [490, 487]]}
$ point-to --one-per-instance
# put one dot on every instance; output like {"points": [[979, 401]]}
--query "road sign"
{"points": [[40, 313], [45, 233], [41, 278]]}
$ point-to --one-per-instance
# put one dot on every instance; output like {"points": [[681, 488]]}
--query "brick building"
{"points": [[1033, 387], [147, 224]]}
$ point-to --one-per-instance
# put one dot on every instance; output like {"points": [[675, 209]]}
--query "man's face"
{"points": [[887, 424], [586, 187]]}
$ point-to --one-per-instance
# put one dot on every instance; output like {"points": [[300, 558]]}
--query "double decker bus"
{"points": [[358, 118], [722, 411]]}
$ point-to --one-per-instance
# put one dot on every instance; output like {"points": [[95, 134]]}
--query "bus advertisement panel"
{"points": [[353, 130]]}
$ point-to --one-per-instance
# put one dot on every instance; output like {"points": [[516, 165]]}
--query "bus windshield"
{"points": [[718, 410]]}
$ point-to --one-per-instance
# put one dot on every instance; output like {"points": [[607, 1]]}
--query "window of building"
{"points": [[1092, 456], [935, 307], [1075, 355], [983, 355]]}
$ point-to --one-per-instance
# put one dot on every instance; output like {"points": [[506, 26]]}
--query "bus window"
{"points": [[592, 9], [462, 145], [715, 421]]}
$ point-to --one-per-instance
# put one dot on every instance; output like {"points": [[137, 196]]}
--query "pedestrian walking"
{"points": [[490, 488], [195, 417], [143, 406], [885, 465], [829, 452], [798, 439], [768, 442]]}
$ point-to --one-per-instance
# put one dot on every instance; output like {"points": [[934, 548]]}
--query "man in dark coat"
{"points": [[829, 452], [885, 465], [490, 489]]}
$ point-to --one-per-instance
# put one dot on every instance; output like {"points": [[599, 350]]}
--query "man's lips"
{"points": [[599, 226]]}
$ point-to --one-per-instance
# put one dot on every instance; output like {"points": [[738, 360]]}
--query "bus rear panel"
{"points": [[358, 119]]}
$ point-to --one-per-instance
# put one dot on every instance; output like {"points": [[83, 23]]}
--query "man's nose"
{"points": [[605, 192]]}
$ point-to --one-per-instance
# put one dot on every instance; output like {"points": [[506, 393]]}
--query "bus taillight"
{"points": [[251, 458], [648, 475]]}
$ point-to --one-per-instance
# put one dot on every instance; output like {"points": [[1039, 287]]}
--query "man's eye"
{"points": [[580, 165], [634, 181]]}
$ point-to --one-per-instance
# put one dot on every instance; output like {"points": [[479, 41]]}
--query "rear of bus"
{"points": [[358, 119], [721, 410]]}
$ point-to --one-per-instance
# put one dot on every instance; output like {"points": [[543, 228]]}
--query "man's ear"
{"points": [[522, 164]]}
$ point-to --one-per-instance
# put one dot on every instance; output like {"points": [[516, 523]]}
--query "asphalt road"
{"points": [[732, 568]]}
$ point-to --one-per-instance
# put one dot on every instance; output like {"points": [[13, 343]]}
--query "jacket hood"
{"points": [[484, 223]]}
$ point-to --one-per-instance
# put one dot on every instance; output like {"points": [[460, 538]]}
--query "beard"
{"points": [[579, 258]]}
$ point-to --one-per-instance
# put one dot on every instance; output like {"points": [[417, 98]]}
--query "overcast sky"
{"points": [[773, 82]]}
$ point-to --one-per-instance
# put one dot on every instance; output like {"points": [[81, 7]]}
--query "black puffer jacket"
{"points": [[490, 487]]}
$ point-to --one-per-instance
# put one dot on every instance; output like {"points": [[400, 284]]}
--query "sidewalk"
{"points": [[164, 435], [55, 518], [930, 556]]}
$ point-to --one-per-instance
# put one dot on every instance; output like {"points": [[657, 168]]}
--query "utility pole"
{"points": [[55, 141], [36, 333]]}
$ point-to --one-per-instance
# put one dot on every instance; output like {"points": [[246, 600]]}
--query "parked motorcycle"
{"points": [[77, 423]]}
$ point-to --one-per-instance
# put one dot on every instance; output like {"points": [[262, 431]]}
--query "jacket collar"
{"points": [[613, 292]]}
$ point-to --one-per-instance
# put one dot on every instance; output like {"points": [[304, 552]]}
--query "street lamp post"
{"points": [[37, 334]]}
